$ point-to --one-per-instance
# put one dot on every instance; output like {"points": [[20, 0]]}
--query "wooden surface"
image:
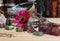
{"points": [[24, 36]]}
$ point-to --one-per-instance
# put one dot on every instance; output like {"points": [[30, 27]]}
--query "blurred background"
{"points": [[51, 8]]}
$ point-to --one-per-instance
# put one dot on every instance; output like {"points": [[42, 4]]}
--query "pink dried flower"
{"points": [[22, 18]]}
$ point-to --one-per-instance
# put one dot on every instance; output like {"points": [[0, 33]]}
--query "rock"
{"points": [[50, 28], [9, 27], [38, 33], [19, 29]]}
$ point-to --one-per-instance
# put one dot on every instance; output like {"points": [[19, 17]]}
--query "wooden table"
{"points": [[24, 36]]}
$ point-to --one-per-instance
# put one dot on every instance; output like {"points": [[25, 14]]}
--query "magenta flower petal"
{"points": [[22, 18]]}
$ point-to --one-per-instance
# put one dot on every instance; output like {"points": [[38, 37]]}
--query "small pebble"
{"points": [[38, 33], [19, 29]]}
